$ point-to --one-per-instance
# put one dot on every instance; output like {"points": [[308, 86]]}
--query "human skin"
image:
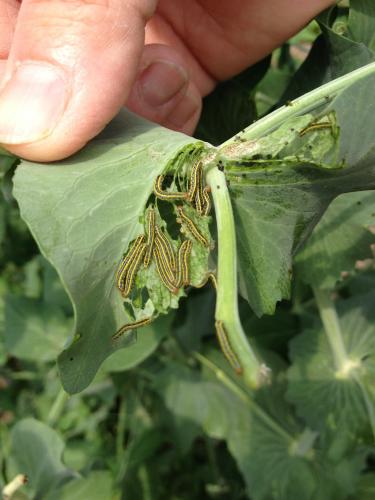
{"points": [[68, 66]]}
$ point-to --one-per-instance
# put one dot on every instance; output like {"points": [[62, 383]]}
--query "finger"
{"points": [[163, 91], [70, 69], [8, 15]]}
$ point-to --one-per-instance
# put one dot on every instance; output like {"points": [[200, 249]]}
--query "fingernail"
{"points": [[161, 81], [183, 112], [32, 102]]}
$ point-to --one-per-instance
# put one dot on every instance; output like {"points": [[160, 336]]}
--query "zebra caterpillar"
{"points": [[131, 326], [150, 237], [166, 195], [227, 348], [192, 227], [128, 261]]}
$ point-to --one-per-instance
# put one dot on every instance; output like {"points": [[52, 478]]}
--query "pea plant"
{"points": [[209, 300]]}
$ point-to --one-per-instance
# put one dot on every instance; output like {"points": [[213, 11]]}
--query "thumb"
{"points": [[70, 69]]}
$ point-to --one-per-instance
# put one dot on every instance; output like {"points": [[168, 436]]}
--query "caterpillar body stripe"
{"points": [[150, 237], [194, 177], [132, 271], [131, 326], [127, 261], [209, 276], [227, 348], [199, 199], [315, 126], [207, 200], [163, 269], [183, 263], [167, 247], [166, 195], [192, 227]]}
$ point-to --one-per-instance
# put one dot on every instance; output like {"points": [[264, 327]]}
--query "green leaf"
{"points": [[366, 490], [333, 54], [230, 107], [36, 451], [96, 486], [97, 199], [34, 331], [276, 459], [196, 319], [338, 241], [325, 397], [283, 182], [362, 22]]}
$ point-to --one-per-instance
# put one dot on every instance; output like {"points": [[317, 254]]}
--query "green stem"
{"points": [[254, 372], [145, 482], [304, 104], [332, 328], [304, 444], [121, 428], [244, 397], [57, 407], [212, 461]]}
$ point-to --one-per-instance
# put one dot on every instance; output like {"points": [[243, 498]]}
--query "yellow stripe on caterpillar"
{"points": [[132, 271], [227, 348], [127, 261], [183, 263], [166, 195], [315, 126], [167, 248], [192, 227], [194, 179], [207, 200], [209, 276], [131, 326], [150, 237], [164, 269]]}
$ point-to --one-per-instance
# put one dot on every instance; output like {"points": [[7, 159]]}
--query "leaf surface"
{"points": [[96, 201], [323, 396], [338, 241], [36, 451], [262, 436], [282, 183]]}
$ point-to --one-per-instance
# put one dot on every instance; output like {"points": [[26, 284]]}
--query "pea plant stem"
{"points": [[57, 407], [245, 398], [227, 295], [332, 328], [304, 104]]}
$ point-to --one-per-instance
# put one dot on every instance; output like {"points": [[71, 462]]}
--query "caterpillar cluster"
{"points": [[173, 269]]}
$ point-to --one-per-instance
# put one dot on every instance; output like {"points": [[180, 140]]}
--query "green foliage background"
{"points": [[165, 417]]}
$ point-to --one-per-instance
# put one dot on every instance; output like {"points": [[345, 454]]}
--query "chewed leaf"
{"points": [[83, 213], [282, 184], [324, 396]]}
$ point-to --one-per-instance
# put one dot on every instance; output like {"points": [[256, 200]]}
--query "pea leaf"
{"points": [[36, 451], [282, 183], [96, 200], [322, 395], [336, 52], [34, 331], [338, 241], [276, 458], [96, 486], [362, 22]]}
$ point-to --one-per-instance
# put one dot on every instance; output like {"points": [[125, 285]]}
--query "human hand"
{"points": [[68, 66]]}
